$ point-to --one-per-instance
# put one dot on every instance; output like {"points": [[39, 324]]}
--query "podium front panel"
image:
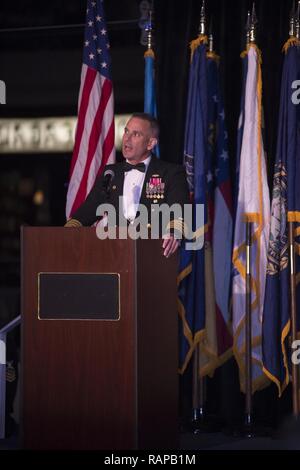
{"points": [[90, 383], [79, 387]]}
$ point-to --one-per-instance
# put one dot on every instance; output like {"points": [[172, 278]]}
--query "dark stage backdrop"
{"points": [[177, 24]]}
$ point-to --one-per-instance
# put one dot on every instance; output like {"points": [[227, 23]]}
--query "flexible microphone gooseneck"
{"points": [[107, 181]]}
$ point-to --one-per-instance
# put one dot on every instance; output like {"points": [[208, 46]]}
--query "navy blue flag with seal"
{"points": [[191, 278], [285, 207]]}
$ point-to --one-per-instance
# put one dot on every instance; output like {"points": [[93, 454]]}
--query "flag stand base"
{"points": [[250, 429], [203, 423]]}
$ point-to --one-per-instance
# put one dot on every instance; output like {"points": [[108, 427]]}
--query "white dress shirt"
{"points": [[132, 190]]}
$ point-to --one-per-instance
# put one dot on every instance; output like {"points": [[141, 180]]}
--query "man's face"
{"points": [[137, 140]]}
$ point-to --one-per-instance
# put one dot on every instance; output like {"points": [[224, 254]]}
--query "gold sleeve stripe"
{"points": [[178, 225], [73, 223]]}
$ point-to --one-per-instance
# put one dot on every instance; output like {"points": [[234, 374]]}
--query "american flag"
{"points": [[94, 139]]}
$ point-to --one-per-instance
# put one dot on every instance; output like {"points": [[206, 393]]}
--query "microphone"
{"points": [[107, 180]]}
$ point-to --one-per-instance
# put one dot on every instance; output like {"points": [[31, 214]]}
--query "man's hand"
{"points": [[170, 245]]}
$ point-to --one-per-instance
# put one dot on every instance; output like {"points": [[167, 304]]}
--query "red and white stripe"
{"points": [[94, 139]]}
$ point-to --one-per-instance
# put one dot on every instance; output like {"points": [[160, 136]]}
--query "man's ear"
{"points": [[152, 143]]}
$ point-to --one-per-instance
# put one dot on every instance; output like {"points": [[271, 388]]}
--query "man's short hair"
{"points": [[152, 121]]}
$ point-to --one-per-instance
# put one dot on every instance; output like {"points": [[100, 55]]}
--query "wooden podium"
{"points": [[99, 342]]}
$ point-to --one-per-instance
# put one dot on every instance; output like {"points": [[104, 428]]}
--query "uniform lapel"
{"points": [[117, 186]]}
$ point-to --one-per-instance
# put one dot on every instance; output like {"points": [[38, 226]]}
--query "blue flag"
{"points": [[191, 279], [149, 88], [285, 207], [149, 91]]}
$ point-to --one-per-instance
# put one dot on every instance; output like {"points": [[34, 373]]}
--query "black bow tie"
{"points": [[140, 166]]}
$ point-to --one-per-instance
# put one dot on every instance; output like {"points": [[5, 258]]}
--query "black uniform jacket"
{"points": [[172, 188]]}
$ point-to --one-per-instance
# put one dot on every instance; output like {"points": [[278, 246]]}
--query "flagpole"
{"points": [[298, 21], [294, 32], [150, 106], [250, 38], [198, 421], [198, 394], [248, 335], [295, 377], [248, 425]]}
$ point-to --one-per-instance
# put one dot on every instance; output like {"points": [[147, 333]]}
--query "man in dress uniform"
{"points": [[141, 179]]}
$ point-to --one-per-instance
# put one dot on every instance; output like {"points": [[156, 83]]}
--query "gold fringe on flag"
{"points": [[293, 216], [293, 41], [258, 51], [149, 53], [212, 55], [272, 377], [201, 39]]}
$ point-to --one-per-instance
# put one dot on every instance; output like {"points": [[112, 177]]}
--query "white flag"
{"points": [[253, 205]]}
